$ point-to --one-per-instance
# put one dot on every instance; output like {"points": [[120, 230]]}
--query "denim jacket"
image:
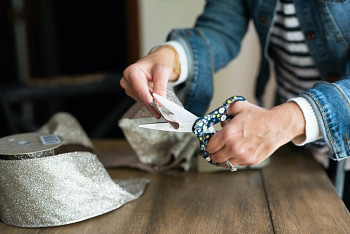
{"points": [[216, 37]]}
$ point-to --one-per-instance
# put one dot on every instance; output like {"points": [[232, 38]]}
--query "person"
{"points": [[309, 42]]}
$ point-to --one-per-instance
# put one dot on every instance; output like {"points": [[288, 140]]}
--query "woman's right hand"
{"points": [[151, 72]]}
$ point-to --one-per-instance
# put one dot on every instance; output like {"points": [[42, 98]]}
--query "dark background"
{"points": [[69, 38]]}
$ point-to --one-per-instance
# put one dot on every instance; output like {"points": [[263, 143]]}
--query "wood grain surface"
{"points": [[301, 197], [291, 195]]}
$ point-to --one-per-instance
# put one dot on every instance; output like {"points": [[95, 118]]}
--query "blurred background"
{"points": [[60, 55]]}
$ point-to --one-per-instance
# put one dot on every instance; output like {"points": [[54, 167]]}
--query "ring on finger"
{"points": [[232, 167]]}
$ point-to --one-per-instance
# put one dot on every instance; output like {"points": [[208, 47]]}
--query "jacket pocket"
{"points": [[337, 20]]}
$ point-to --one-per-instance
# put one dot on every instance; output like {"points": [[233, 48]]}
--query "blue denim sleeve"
{"points": [[331, 104], [210, 45]]}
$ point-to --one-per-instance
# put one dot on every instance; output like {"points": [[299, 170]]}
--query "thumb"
{"points": [[160, 80], [237, 107]]}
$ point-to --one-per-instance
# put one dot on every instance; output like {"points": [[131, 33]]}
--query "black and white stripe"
{"points": [[295, 68]]}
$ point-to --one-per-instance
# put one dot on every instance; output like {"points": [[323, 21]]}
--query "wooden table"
{"points": [[291, 195]]}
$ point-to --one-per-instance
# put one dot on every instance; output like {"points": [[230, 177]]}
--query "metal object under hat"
{"points": [[29, 145]]}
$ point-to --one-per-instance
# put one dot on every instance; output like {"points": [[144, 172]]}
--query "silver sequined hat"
{"points": [[57, 185]]}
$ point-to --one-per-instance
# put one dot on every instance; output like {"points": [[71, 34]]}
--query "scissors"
{"points": [[202, 127]]}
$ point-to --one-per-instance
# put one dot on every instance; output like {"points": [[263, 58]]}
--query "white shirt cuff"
{"points": [[182, 60], [312, 130]]}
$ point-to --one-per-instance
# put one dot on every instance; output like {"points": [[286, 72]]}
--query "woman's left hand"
{"points": [[254, 133]]}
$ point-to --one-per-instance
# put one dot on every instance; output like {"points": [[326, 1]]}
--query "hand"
{"points": [[255, 133], [152, 71]]}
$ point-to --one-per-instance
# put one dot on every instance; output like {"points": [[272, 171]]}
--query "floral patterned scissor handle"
{"points": [[214, 117]]}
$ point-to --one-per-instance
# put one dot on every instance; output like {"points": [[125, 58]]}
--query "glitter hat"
{"points": [[62, 188]]}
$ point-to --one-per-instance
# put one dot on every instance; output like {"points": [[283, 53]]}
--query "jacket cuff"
{"points": [[330, 101], [312, 130]]}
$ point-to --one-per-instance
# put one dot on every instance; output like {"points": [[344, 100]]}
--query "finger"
{"points": [[129, 91], [124, 84], [224, 164], [232, 161], [140, 91], [224, 123], [149, 107], [137, 80], [220, 156], [160, 80], [215, 144], [236, 107], [140, 88]]}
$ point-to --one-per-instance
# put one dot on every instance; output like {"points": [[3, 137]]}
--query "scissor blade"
{"points": [[178, 111], [186, 127]]}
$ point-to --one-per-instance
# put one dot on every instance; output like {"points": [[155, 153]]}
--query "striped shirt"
{"points": [[295, 68]]}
